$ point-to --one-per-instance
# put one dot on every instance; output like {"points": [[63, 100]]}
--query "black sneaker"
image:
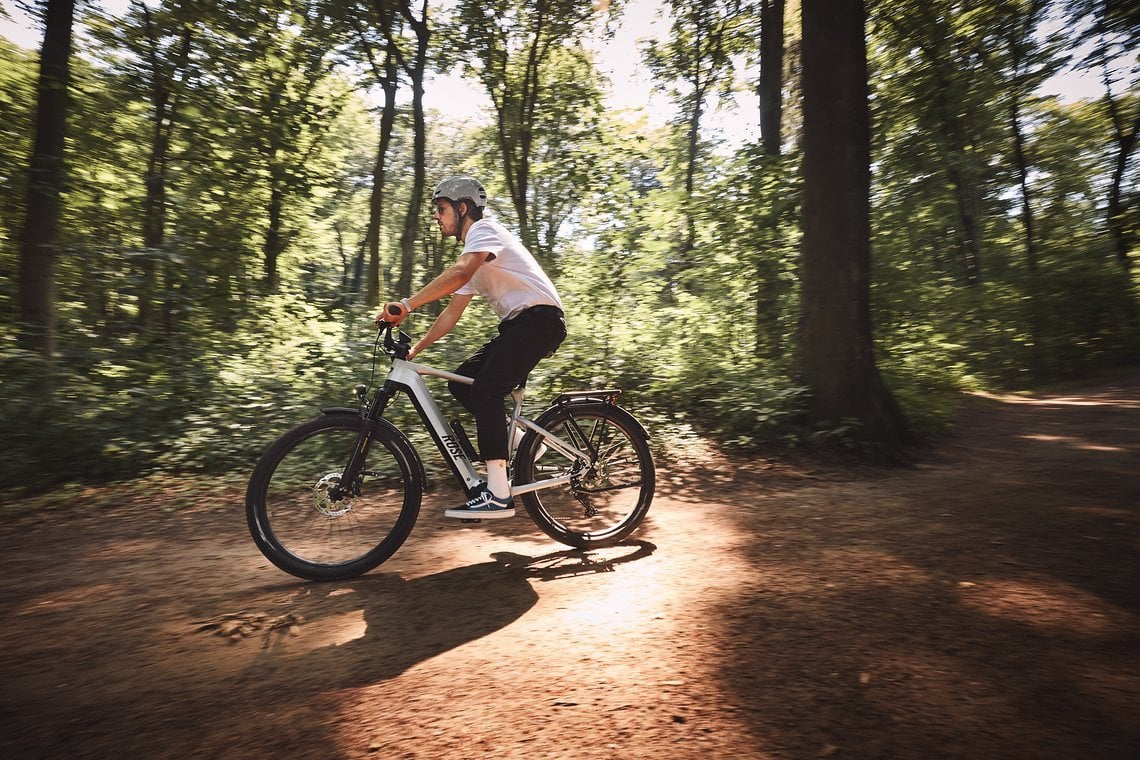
{"points": [[483, 506]]}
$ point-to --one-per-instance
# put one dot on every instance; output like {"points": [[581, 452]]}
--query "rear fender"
{"points": [[585, 399]]}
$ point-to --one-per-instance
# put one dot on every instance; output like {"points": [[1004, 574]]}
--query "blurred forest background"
{"points": [[240, 182]]}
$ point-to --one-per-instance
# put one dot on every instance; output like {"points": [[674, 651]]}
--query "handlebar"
{"points": [[396, 347]]}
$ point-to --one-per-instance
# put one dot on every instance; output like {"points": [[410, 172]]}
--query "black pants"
{"points": [[500, 365]]}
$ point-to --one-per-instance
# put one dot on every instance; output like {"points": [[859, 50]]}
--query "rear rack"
{"points": [[608, 396]]}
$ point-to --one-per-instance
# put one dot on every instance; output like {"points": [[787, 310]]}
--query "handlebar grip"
{"points": [[394, 310]]}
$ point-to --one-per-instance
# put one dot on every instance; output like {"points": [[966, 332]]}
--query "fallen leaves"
{"points": [[239, 625]]}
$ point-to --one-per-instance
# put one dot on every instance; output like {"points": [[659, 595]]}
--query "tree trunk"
{"points": [[39, 241], [769, 331], [1023, 181], [693, 145], [522, 194], [521, 184], [1016, 41], [416, 203], [1126, 143], [164, 100], [528, 105], [154, 214], [965, 195], [837, 354], [964, 183], [1036, 317], [769, 342], [276, 241], [376, 201], [959, 171], [771, 88]]}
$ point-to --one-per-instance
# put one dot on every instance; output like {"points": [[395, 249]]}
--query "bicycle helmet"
{"points": [[457, 189]]}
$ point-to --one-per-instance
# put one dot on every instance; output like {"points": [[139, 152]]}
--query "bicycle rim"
{"points": [[305, 527], [607, 499]]}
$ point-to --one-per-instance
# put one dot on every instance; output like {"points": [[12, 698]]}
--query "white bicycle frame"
{"points": [[410, 376]]}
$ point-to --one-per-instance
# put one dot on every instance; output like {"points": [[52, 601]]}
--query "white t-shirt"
{"points": [[512, 280]]}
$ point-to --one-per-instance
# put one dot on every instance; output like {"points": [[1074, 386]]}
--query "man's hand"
{"points": [[393, 313]]}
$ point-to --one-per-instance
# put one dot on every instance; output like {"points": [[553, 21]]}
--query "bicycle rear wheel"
{"points": [[608, 496], [298, 517]]}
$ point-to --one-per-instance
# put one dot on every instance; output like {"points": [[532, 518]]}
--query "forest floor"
{"points": [[982, 604]]}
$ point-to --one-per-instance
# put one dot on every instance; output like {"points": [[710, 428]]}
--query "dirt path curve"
{"points": [[984, 604]]}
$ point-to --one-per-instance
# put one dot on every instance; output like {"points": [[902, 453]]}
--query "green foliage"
{"points": [[546, 100], [17, 102], [696, 59], [687, 301], [209, 403]]}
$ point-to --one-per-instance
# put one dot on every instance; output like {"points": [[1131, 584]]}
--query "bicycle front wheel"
{"points": [[309, 523], [608, 496]]}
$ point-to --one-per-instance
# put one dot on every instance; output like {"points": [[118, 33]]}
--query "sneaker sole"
{"points": [[475, 514]]}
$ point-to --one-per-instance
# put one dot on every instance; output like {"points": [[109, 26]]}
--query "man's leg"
{"points": [[505, 362], [498, 367]]}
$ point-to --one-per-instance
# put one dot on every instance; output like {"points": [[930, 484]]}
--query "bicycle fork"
{"points": [[349, 485]]}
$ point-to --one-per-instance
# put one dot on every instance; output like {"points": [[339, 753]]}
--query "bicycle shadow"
{"points": [[407, 622], [575, 562]]}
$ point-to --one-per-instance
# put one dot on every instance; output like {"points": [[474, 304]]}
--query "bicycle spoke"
{"points": [[608, 495], [309, 523]]}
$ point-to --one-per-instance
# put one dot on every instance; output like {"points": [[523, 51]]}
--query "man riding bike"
{"points": [[497, 266]]}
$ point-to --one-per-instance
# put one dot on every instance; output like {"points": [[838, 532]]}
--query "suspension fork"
{"points": [[369, 413]]}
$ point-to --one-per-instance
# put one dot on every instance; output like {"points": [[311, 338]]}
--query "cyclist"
{"points": [[497, 266]]}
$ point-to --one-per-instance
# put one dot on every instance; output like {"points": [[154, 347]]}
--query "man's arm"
{"points": [[443, 323], [452, 279]]}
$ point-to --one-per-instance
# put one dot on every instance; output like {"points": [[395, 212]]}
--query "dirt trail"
{"points": [[983, 604]]}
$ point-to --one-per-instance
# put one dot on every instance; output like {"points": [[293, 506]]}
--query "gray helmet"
{"points": [[460, 189]]}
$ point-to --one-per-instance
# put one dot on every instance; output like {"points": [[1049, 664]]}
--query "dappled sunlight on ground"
{"points": [[61, 600], [1106, 399], [985, 603], [337, 630], [1078, 443], [1048, 604], [613, 649]]}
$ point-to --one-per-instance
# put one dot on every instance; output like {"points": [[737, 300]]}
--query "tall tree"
{"points": [[167, 54], [285, 87], [1025, 66], [942, 45], [567, 139], [156, 70], [1115, 35], [414, 65], [510, 46], [769, 330], [39, 241], [836, 347], [293, 104], [380, 14], [402, 29], [697, 56], [771, 87]]}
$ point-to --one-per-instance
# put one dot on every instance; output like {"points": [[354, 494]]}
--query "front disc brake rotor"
{"points": [[328, 499]]}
